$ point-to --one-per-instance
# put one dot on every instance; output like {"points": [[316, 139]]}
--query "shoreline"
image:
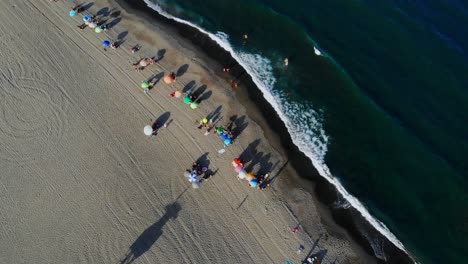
{"points": [[252, 99]]}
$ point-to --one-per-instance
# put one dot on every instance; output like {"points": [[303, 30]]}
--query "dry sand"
{"points": [[81, 183]]}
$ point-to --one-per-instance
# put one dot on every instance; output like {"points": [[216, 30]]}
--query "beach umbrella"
{"points": [[178, 94], [249, 176], [144, 63], [146, 91], [242, 174], [227, 141], [238, 169], [196, 184], [193, 177], [72, 13], [98, 30], [148, 130], [187, 174], [145, 85], [92, 25], [106, 43], [253, 183], [193, 105], [187, 100], [87, 18], [219, 130], [224, 136], [205, 120], [237, 161], [168, 79]]}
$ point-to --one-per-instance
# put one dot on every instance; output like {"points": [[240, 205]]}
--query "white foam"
{"points": [[302, 122]]}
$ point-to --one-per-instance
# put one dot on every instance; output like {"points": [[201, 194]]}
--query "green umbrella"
{"points": [[145, 85], [98, 30], [219, 130], [193, 105], [187, 100]]}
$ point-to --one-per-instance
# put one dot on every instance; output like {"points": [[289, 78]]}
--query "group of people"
{"points": [[197, 174]]}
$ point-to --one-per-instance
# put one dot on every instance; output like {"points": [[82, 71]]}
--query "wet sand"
{"points": [[83, 184]]}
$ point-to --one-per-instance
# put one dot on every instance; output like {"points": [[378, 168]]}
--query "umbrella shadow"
{"points": [[204, 97], [196, 94], [146, 240], [103, 12], [161, 120], [160, 54], [239, 125], [209, 173], [86, 6], [188, 86], [122, 35], [213, 116], [183, 69], [155, 79], [249, 152], [114, 22], [114, 14], [203, 160]]}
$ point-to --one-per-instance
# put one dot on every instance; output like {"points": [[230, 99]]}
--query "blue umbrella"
{"points": [[106, 43], [72, 13], [86, 18], [253, 183], [227, 142], [224, 136]]}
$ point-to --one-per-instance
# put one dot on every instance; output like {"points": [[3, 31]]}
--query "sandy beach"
{"points": [[80, 181]]}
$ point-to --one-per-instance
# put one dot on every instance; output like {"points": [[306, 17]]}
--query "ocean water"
{"points": [[375, 94]]}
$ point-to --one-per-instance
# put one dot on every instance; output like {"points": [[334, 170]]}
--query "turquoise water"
{"points": [[387, 104]]}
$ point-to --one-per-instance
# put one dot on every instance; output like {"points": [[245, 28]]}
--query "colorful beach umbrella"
{"points": [[72, 13], [87, 18], [219, 130], [98, 30], [253, 183], [205, 120], [170, 78], [249, 176], [242, 174], [145, 85], [237, 161], [227, 142], [178, 94], [148, 130], [106, 43], [238, 169], [194, 105], [187, 100]]}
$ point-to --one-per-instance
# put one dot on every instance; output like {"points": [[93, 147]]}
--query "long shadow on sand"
{"points": [[144, 242]]}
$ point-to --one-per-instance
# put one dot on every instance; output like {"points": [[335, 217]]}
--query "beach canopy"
{"points": [[92, 25], [177, 94], [242, 174], [98, 30], [144, 62], [224, 136], [193, 177], [238, 169], [205, 120], [237, 161], [219, 130], [187, 100], [253, 183], [148, 130], [106, 43], [87, 18], [72, 13], [145, 85], [227, 142], [193, 105], [250, 176], [169, 78]]}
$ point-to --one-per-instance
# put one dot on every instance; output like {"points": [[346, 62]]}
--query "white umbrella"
{"points": [[93, 25], [148, 130], [144, 62]]}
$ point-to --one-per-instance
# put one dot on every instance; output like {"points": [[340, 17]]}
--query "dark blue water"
{"points": [[383, 113]]}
